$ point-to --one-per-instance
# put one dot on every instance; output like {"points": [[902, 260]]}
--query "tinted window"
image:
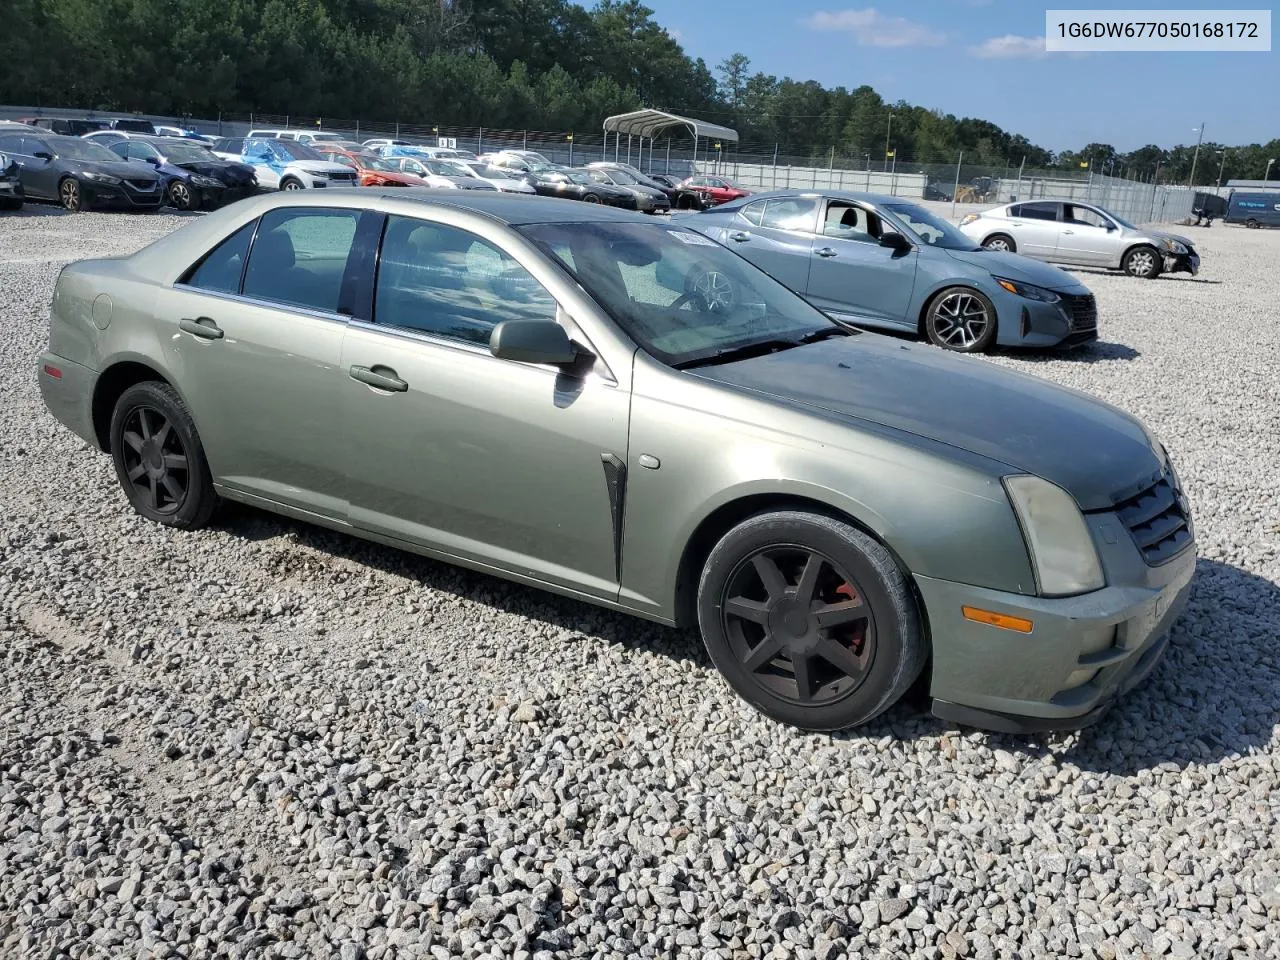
{"points": [[790, 213], [1083, 216], [845, 221], [448, 282], [299, 257], [11, 144], [221, 269], [1035, 211], [230, 145], [140, 151]]}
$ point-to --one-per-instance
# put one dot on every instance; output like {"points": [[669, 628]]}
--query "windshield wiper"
{"points": [[826, 333], [758, 349]]}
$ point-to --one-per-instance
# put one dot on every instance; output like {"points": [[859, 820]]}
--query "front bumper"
{"points": [[1182, 263], [1082, 654], [96, 194], [1071, 321]]}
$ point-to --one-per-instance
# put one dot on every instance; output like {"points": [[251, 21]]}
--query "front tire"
{"points": [[1001, 242], [810, 620], [291, 183], [70, 196], [1251, 224], [159, 459], [181, 196], [961, 319], [1142, 262], [590, 198]]}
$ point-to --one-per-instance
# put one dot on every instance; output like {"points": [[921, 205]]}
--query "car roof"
{"points": [[859, 196]]}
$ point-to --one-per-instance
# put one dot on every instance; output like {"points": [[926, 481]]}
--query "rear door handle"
{"points": [[202, 327], [825, 252], [384, 378], [740, 236]]}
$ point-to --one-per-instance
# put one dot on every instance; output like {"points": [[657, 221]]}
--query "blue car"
{"points": [[879, 261], [193, 177]]}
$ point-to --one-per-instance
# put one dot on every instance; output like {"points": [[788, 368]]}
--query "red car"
{"points": [[701, 192], [373, 171]]}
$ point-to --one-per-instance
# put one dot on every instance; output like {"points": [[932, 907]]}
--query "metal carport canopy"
{"points": [[647, 123]]}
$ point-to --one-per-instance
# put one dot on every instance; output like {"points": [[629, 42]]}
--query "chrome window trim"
{"points": [[270, 304]]}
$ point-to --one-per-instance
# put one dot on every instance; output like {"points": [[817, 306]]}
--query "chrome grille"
{"points": [[1158, 521], [143, 186]]}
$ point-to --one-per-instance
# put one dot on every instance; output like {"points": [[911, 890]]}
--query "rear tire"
{"points": [[1000, 242], [1251, 224], [159, 459], [810, 620], [1142, 262]]}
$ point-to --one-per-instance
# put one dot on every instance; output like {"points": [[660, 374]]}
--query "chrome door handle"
{"points": [[740, 236], [384, 378], [825, 252], [202, 327], [1067, 233]]}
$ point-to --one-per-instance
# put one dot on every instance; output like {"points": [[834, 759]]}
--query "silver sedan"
{"points": [[1081, 234]]}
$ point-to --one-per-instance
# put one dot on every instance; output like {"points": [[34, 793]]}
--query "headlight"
{"points": [[100, 177], [1062, 552], [1173, 246], [1028, 290], [200, 181], [968, 219]]}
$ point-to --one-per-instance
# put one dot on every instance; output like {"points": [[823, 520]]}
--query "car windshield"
{"points": [[383, 165], [928, 229], [184, 153], [684, 298], [577, 176], [489, 173], [296, 150], [327, 137], [621, 176], [1120, 220], [73, 148], [440, 168]]}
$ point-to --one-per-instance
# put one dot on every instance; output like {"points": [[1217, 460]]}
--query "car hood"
{"points": [[132, 169], [1014, 266], [223, 170], [395, 176], [1163, 235], [321, 166], [1086, 446]]}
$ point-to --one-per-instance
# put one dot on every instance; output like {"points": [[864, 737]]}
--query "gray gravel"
{"points": [[266, 740]]}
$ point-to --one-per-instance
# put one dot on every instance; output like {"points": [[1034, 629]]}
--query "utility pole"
{"points": [[1222, 164], [1267, 176], [888, 131], [1196, 156]]}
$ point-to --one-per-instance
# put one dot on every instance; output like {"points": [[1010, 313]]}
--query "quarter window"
{"points": [[300, 255], [220, 270], [448, 282]]}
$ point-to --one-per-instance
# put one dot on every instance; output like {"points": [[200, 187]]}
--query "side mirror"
{"points": [[1111, 228], [895, 242], [154, 161], [532, 341], [43, 155]]}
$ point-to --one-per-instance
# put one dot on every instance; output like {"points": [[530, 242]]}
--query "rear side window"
{"points": [[1035, 211], [753, 212], [299, 257], [221, 268]]}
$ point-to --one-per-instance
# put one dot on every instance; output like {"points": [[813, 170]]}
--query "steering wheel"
{"points": [[710, 292]]}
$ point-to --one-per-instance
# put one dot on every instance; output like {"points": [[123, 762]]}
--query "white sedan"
{"points": [[495, 176], [1080, 234]]}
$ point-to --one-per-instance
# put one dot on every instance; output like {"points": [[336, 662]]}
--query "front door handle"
{"points": [[384, 378], [825, 252], [202, 327], [739, 236], [1067, 233]]}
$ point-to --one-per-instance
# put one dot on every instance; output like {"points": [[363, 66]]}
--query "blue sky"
{"points": [[985, 58]]}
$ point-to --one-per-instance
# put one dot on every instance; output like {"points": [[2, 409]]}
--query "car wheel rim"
{"points": [[155, 461], [591, 199], [181, 196], [799, 625], [997, 245], [293, 185], [715, 290], [1140, 262], [70, 194], [961, 319]]}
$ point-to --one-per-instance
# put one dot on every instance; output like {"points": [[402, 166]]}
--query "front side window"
{"points": [[300, 255], [790, 213], [845, 221], [221, 269], [448, 282], [141, 151], [1084, 217], [684, 298]]}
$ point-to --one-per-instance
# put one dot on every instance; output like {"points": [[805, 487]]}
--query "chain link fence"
{"points": [[964, 185]]}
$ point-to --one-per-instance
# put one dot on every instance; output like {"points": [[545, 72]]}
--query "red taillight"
{"points": [[53, 371]]}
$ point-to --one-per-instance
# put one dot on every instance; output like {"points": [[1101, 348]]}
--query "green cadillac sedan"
{"points": [[624, 411]]}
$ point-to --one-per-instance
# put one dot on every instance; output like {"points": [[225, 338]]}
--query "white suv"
{"points": [[303, 136], [286, 164]]}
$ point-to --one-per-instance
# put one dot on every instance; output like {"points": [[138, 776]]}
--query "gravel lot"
{"points": [[266, 740]]}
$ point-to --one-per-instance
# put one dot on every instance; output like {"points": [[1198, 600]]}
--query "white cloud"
{"points": [[1011, 47], [871, 28]]}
